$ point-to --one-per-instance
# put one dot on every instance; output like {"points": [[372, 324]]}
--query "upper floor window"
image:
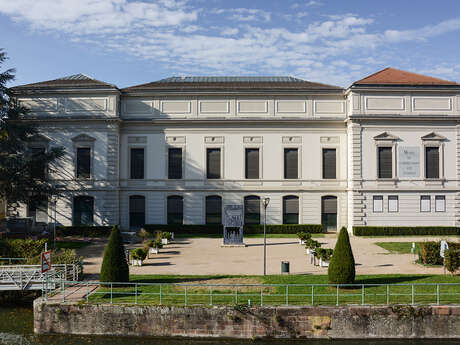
{"points": [[137, 163], [83, 169], [252, 163], [174, 163], [329, 164], [213, 209], [290, 209], [175, 209], [252, 210], [291, 163], [213, 162], [38, 169], [385, 162], [431, 161]]}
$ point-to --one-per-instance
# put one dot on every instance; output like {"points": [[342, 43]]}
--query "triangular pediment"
{"points": [[83, 137], [434, 136], [386, 136], [39, 138]]}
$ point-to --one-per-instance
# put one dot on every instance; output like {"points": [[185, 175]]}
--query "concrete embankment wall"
{"points": [[242, 322]]}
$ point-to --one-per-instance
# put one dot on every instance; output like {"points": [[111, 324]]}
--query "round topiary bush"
{"points": [[114, 266], [342, 265]]}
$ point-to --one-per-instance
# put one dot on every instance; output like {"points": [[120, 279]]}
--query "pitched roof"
{"points": [[393, 76], [231, 82], [79, 80]]}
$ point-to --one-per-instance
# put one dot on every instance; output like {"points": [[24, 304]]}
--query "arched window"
{"points": [[252, 209], [290, 209], [83, 210], [329, 213], [213, 209], [175, 209], [136, 211]]}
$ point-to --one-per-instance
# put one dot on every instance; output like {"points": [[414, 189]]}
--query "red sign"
{"points": [[46, 261]]}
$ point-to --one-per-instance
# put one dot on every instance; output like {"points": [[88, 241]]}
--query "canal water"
{"points": [[16, 328]]}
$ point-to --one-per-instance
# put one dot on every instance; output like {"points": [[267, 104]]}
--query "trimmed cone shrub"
{"points": [[342, 265], [114, 266]]}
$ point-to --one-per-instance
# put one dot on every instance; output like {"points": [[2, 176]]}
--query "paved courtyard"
{"points": [[206, 256]]}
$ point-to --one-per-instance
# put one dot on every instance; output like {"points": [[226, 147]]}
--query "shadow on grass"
{"points": [[270, 244], [390, 280], [178, 279]]}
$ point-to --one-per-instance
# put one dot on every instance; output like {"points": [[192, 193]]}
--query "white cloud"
{"points": [[244, 14], [424, 32]]}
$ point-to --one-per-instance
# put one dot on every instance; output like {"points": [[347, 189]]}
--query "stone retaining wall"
{"points": [[243, 322]]}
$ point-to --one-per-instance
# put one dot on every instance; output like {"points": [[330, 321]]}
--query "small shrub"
{"points": [[324, 254], [312, 244], [22, 248], [114, 266], [303, 236], [166, 235], [452, 260], [138, 254], [155, 244], [342, 265], [405, 230], [429, 252]]}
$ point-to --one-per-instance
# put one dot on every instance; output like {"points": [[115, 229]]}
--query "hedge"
{"points": [[452, 257], [405, 230], [429, 252], [84, 231], [248, 229]]}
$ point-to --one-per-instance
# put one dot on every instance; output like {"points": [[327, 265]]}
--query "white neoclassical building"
{"points": [[385, 151]]}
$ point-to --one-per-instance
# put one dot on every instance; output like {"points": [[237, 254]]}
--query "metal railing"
{"points": [[266, 294]]}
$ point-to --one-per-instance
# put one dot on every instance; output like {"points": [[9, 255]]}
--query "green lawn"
{"points": [[275, 290], [399, 247], [245, 236]]}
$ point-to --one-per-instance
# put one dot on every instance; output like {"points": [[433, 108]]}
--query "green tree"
{"points": [[114, 265], [23, 171], [342, 265]]}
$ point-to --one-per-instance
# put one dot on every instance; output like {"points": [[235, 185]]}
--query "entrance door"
{"points": [[329, 213]]}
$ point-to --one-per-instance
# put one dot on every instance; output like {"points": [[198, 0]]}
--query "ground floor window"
{"points": [[252, 210], [83, 210], [440, 203], [329, 213], [38, 210], [136, 211], [213, 209], [175, 209], [290, 209]]}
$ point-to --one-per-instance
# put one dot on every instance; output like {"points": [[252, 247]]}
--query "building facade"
{"points": [[385, 151]]}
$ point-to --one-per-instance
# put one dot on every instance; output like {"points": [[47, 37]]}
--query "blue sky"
{"points": [[138, 41]]}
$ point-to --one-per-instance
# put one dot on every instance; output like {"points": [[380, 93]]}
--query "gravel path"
{"points": [[206, 256]]}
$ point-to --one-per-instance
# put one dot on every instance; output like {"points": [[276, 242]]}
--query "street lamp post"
{"points": [[266, 201]]}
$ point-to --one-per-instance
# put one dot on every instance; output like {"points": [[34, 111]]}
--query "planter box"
{"points": [[323, 263], [135, 262], [154, 250], [302, 242], [310, 251], [164, 241]]}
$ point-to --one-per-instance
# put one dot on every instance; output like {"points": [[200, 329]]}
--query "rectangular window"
{"points": [[38, 170], [432, 162], [175, 209], [213, 163], [425, 203], [385, 164], [174, 163], [291, 163], [137, 163], [213, 209], [83, 162], [440, 203], [378, 203], [393, 203], [38, 210], [290, 210], [252, 163], [329, 164]]}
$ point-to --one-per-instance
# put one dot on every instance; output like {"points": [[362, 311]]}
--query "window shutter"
{"points": [[137, 163], [432, 162], [385, 162], [329, 164], [213, 209], [83, 162], [291, 164], [329, 204], [252, 163], [213, 163], [175, 163]]}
